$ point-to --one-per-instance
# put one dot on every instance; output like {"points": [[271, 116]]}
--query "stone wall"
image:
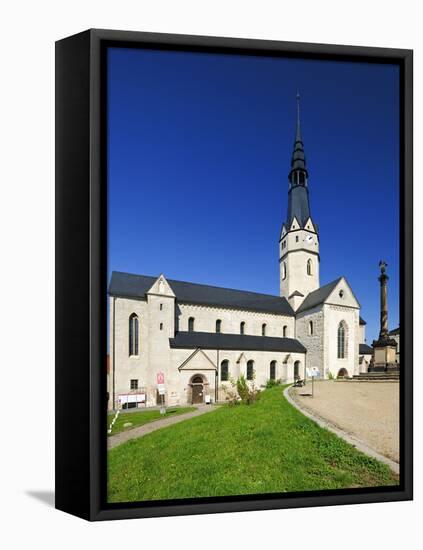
{"points": [[334, 314], [314, 343], [206, 317]]}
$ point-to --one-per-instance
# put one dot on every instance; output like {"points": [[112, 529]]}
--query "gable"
{"points": [[283, 232], [309, 225], [198, 360], [161, 287], [342, 295], [295, 224]]}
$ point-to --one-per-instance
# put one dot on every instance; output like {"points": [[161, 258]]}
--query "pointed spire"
{"points": [[298, 135], [298, 201], [298, 161]]}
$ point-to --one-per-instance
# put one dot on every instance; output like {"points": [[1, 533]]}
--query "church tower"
{"points": [[299, 239]]}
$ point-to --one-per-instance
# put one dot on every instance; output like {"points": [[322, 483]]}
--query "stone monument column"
{"points": [[384, 347], [383, 279]]}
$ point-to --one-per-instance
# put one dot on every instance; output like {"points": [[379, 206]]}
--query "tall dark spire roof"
{"points": [[298, 203], [298, 161]]}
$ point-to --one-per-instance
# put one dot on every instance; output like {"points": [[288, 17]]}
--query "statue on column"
{"points": [[384, 347]]}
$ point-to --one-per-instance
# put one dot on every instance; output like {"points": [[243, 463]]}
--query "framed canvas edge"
{"points": [[97, 444]]}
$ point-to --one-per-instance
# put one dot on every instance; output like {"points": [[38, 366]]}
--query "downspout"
{"points": [[114, 355], [216, 385]]}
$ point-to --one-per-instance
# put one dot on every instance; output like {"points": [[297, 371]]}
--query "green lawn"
{"points": [[266, 447], [142, 417]]}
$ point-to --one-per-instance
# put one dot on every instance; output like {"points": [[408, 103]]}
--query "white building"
{"points": [[198, 336], [395, 335]]}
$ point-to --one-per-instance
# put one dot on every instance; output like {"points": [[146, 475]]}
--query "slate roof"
{"points": [[136, 286], [213, 340], [318, 296], [394, 331], [362, 321], [364, 349], [298, 206]]}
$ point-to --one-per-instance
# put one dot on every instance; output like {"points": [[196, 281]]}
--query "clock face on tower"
{"points": [[308, 239]]}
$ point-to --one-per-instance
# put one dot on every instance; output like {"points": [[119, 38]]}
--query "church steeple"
{"points": [[299, 240], [298, 201], [298, 158]]}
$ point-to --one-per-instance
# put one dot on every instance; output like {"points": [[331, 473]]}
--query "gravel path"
{"points": [[369, 411], [134, 433]]}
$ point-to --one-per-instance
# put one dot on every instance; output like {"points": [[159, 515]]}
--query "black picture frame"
{"points": [[81, 275]]}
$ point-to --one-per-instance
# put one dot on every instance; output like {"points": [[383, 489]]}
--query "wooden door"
{"points": [[197, 393]]}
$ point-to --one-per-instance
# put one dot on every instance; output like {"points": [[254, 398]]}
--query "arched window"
{"points": [[285, 331], [224, 371], [284, 270], [218, 325], [309, 267], [133, 334], [191, 324], [272, 374], [242, 328], [250, 369], [310, 328], [263, 329], [342, 340]]}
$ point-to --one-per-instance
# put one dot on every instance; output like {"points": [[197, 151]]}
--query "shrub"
{"points": [[232, 396], [330, 376], [247, 392], [241, 391], [272, 383]]}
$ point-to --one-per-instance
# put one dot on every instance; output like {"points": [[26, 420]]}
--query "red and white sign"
{"points": [[160, 378]]}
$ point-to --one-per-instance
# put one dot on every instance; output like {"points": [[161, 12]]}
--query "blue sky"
{"points": [[199, 152]]}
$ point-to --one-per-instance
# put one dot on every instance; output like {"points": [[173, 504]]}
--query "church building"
{"points": [[196, 337]]}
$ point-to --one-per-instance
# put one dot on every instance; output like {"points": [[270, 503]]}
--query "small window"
{"points": [[242, 328], [272, 373], [250, 370], [341, 293], [134, 384], [284, 270], [161, 326], [218, 325], [191, 324], [309, 268], [161, 307], [285, 331], [297, 238], [263, 329], [310, 328], [224, 371]]}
